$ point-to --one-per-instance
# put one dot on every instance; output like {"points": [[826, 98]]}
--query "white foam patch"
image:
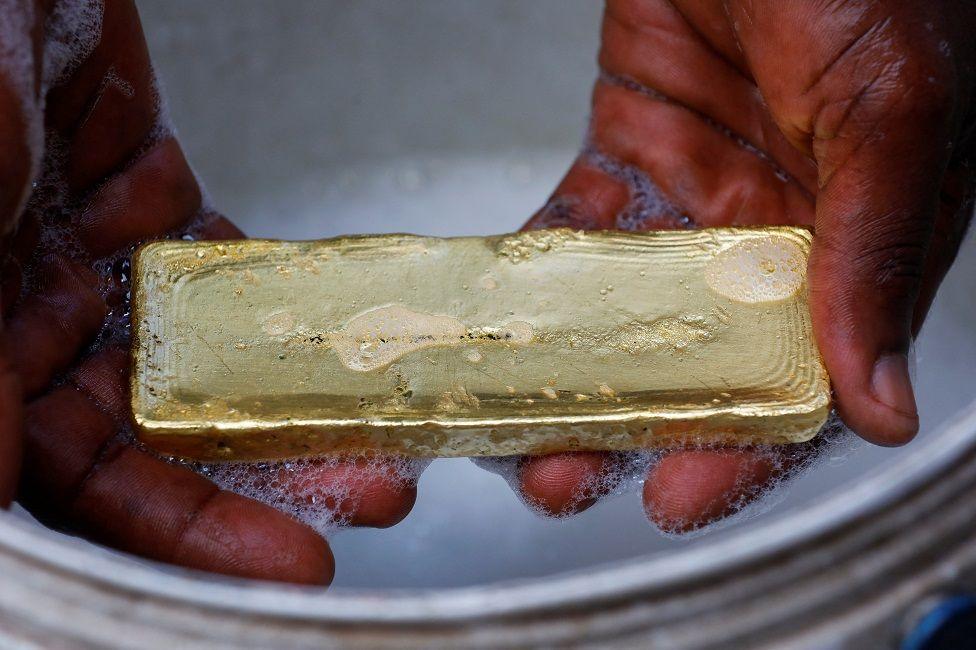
{"points": [[71, 32], [834, 444], [647, 208], [17, 68], [16, 50], [314, 490]]}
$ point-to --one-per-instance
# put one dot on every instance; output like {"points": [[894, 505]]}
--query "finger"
{"points": [[216, 226], [15, 164], [566, 483], [103, 378], [20, 114], [21, 249], [11, 423], [711, 153], [586, 199], [667, 49], [77, 472], [690, 489], [108, 106], [155, 195], [20, 144], [703, 171], [366, 492], [877, 110], [48, 328]]}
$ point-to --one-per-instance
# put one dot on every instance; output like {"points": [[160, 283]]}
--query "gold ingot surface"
{"points": [[535, 342]]}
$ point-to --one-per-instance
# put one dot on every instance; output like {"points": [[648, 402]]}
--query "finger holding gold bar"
{"points": [[530, 343]]}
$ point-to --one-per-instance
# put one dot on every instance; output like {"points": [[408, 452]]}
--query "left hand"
{"points": [[124, 180]]}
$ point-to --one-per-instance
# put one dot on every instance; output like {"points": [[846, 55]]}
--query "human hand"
{"points": [[856, 118], [113, 176]]}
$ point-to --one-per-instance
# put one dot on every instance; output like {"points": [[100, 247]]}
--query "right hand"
{"points": [[857, 118]]}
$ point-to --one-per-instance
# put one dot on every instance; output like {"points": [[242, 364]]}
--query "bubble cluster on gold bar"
{"points": [[528, 343]]}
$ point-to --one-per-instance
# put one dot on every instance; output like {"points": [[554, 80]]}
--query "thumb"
{"points": [[875, 213], [881, 169], [873, 96]]}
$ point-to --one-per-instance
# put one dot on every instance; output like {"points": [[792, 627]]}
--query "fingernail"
{"points": [[892, 384]]}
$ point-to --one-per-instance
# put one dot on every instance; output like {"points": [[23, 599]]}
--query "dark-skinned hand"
{"points": [[855, 118], [63, 405]]}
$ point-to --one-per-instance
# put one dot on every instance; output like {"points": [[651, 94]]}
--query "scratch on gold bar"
{"points": [[529, 343]]}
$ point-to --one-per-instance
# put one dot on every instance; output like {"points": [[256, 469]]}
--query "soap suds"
{"points": [[71, 31], [321, 492], [763, 269]]}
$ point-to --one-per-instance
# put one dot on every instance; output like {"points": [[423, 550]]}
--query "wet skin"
{"points": [[862, 111]]}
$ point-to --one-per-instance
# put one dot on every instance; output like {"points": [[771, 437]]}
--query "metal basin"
{"points": [[313, 118]]}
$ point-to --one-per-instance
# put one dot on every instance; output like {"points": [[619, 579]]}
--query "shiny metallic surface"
{"points": [[365, 112], [473, 346]]}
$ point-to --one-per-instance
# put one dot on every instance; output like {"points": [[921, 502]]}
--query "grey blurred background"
{"points": [[313, 118], [294, 98]]}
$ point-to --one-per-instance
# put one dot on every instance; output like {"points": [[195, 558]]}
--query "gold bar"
{"points": [[531, 343]]}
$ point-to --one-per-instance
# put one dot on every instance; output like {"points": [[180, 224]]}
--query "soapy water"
{"points": [[71, 31], [312, 490], [294, 486], [625, 473], [647, 208], [317, 491]]}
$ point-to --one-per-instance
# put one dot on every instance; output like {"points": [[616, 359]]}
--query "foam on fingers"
{"points": [[691, 491], [21, 102], [564, 484], [327, 493], [70, 32]]}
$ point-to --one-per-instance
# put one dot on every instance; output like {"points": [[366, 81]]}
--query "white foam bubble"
{"points": [[17, 69], [647, 207], [307, 489], [834, 444], [71, 32]]}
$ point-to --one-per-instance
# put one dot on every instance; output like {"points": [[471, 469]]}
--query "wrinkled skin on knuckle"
{"points": [[893, 259], [858, 63]]}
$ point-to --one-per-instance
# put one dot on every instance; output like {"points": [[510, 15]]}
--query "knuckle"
{"points": [[917, 68], [896, 71]]}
